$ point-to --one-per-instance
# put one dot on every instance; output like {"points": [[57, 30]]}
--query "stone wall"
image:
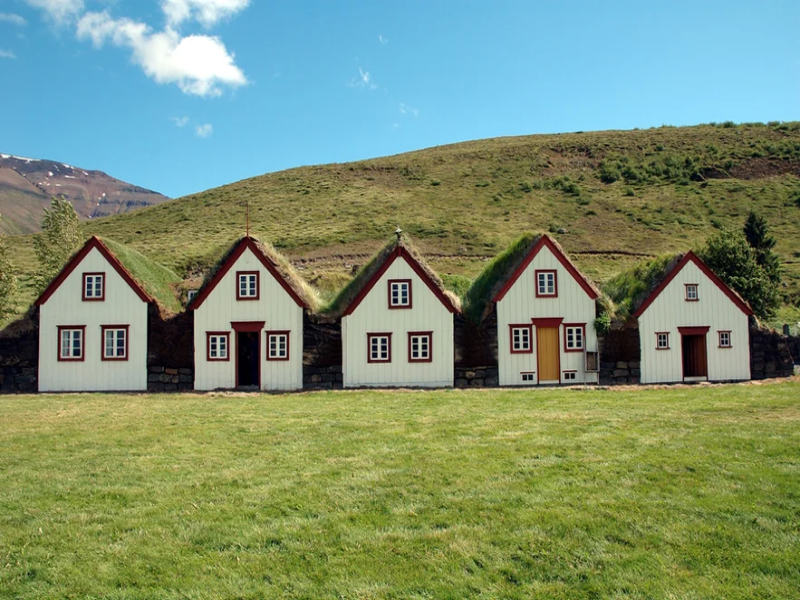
{"points": [[475, 344], [169, 379], [771, 354], [620, 355], [322, 378], [322, 342], [170, 342], [19, 355], [476, 377]]}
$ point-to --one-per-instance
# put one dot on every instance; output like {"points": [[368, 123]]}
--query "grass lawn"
{"points": [[679, 492]]}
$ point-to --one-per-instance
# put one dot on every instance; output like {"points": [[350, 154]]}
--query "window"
{"points": [[546, 284], [277, 345], [420, 346], [399, 293], [521, 339], [70, 343], [574, 336], [724, 339], [115, 342], [570, 375], [528, 376], [662, 341], [247, 285], [94, 287], [691, 292], [379, 347], [217, 345], [190, 295]]}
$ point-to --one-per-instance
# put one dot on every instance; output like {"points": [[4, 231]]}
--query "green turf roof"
{"points": [[155, 279], [632, 287]]}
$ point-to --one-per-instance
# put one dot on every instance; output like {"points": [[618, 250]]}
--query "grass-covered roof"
{"points": [[348, 293], [630, 288]]}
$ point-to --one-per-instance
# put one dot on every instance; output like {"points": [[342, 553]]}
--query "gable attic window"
{"points": [[691, 292], [94, 287], [70, 342], [115, 342], [399, 293], [247, 285], [190, 295], [546, 284]]}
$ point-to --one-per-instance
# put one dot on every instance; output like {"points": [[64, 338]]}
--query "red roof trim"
{"points": [[545, 240], [399, 252], [92, 243], [244, 244], [691, 256]]}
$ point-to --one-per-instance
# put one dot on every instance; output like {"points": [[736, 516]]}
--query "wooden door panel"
{"points": [[548, 353]]}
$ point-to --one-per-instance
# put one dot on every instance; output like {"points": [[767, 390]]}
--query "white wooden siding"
{"points": [[374, 316], [275, 307], [122, 306], [520, 305], [714, 309]]}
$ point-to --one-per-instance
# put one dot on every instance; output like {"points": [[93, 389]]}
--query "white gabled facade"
{"points": [[249, 336], [93, 326], [409, 344], [693, 328], [545, 327]]}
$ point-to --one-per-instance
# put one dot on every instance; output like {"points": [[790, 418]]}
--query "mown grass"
{"points": [[679, 492]]}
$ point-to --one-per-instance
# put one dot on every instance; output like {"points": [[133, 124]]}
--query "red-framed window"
{"points": [[546, 284], [725, 339], [278, 345], [521, 338], [400, 293], [692, 292], [247, 285], [420, 346], [218, 345], [574, 337], [379, 347], [115, 342], [94, 287], [71, 341], [662, 340]]}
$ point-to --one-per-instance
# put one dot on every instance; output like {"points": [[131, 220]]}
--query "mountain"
{"points": [[28, 184]]}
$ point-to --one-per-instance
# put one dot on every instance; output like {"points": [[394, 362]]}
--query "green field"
{"points": [[683, 492]]}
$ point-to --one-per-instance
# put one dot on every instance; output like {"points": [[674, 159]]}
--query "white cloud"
{"points": [[363, 80], [198, 64], [383, 40], [179, 121], [7, 54], [13, 19], [206, 12], [205, 130], [405, 109], [60, 11]]}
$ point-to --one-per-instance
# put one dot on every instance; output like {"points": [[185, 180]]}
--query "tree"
{"points": [[60, 237], [755, 230], [8, 282], [734, 261]]}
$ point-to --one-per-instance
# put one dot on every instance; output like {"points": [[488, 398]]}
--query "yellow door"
{"points": [[547, 351]]}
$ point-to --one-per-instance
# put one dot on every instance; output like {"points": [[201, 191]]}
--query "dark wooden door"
{"points": [[695, 359], [247, 359]]}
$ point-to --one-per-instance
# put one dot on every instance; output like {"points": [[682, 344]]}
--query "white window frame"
{"points": [[71, 333], [415, 338], [692, 292], [382, 355], [215, 346], [545, 282], [275, 352], [251, 281], [728, 335], [115, 337], [571, 345], [90, 286], [396, 288], [517, 347], [666, 340]]}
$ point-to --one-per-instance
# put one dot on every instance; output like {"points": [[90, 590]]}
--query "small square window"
{"points": [[528, 377], [94, 287], [70, 343], [662, 341], [724, 339], [400, 293], [218, 344], [379, 347], [570, 375], [546, 284], [247, 285], [277, 345], [521, 339], [574, 337], [691, 292], [419, 346], [115, 342]]}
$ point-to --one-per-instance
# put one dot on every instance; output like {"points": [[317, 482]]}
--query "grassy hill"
{"points": [[616, 196]]}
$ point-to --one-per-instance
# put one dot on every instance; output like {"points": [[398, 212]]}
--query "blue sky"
{"points": [[184, 95]]}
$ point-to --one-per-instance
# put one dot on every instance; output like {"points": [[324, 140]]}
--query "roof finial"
{"points": [[398, 232]]}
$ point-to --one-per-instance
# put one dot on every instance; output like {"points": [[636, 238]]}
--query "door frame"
{"points": [[702, 330], [247, 327], [548, 323]]}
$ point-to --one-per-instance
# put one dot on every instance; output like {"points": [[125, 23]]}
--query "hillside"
{"points": [[28, 184], [615, 196]]}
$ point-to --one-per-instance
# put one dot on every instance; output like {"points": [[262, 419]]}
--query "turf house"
{"points": [[248, 321], [692, 327], [545, 314], [93, 319], [397, 322]]}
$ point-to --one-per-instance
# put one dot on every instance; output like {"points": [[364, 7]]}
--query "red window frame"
{"points": [[511, 328], [102, 295], [719, 339], [399, 306], [666, 333], [239, 287], [276, 333], [227, 336], [82, 329], [370, 336], [429, 335], [103, 329], [555, 283], [582, 327], [696, 292]]}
